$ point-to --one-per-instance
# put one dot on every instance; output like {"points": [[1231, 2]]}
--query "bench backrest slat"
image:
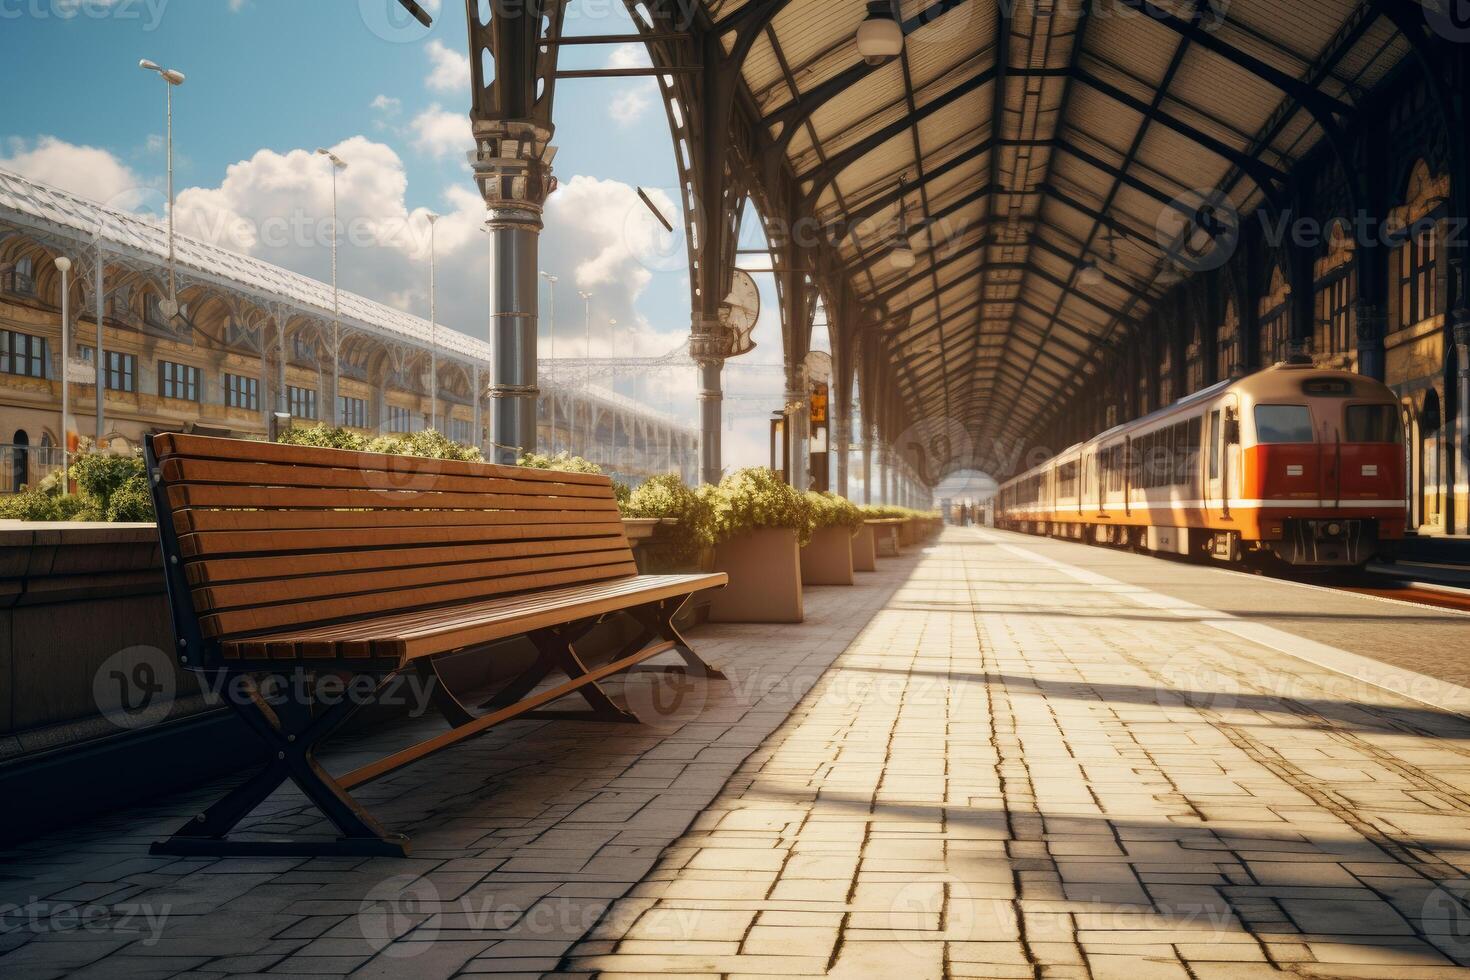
{"points": [[279, 537]]}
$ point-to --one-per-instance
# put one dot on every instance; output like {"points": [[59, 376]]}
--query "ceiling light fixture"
{"points": [[879, 37]]}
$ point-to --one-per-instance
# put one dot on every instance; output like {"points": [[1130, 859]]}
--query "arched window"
{"points": [[1227, 342], [1166, 375], [23, 277], [1194, 361], [1334, 278], [1275, 320], [1416, 230]]}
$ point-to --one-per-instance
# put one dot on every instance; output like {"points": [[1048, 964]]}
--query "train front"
{"points": [[1324, 463]]}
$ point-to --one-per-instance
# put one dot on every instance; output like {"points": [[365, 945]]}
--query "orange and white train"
{"points": [[1294, 462]]}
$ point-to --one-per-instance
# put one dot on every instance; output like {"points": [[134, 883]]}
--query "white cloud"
{"points": [[630, 55], [87, 171], [449, 70], [628, 106], [440, 133], [386, 104]]}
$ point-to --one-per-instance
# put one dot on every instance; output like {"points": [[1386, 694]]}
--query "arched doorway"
{"points": [[19, 460], [1432, 489]]}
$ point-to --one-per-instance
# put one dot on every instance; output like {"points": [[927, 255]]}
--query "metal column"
{"points": [[515, 233], [710, 404]]}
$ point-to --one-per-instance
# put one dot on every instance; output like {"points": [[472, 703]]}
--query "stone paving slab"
{"points": [[522, 838], [1015, 773]]}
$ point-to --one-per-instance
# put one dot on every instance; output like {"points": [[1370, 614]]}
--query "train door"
{"points": [[1222, 467], [1099, 481]]}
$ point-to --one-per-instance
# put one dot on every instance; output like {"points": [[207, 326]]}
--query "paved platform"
{"points": [[1001, 757]]}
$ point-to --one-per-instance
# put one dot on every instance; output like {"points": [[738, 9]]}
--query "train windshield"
{"points": [[1283, 423], [1371, 423]]}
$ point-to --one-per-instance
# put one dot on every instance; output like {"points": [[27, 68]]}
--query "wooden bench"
{"points": [[303, 563]]}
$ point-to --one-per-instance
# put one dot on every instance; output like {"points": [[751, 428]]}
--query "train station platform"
{"points": [[999, 756]]}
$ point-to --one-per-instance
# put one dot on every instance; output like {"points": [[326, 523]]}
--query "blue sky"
{"points": [[270, 80]]}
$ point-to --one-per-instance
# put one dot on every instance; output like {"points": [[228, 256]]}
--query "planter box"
{"points": [[864, 550], [827, 558], [885, 536], [765, 578]]}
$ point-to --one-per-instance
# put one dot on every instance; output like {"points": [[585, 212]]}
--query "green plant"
{"points": [[567, 463], [428, 443], [755, 498], [874, 512], [100, 476], [666, 496], [563, 461], [43, 502], [832, 510], [132, 501], [323, 437]]}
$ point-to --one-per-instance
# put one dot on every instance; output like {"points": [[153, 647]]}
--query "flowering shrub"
{"points": [[111, 488], [429, 443], [832, 510], [667, 497], [567, 463], [755, 498]]}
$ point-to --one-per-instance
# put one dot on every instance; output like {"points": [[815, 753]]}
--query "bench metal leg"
{"points": [[659, 619], [291, 735], [557, 653]]}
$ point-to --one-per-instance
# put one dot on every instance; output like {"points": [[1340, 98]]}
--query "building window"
{"points": [[21, 278], [1227, 342], [179, 381], [301, 402], [352, 412], [302, 351], [242, 392], [1417, 263], [1335, 313], [1166, 375], [1275, 320], [399, 419], [22, 354], [1194, 362], [459, 431], [122, 371]]}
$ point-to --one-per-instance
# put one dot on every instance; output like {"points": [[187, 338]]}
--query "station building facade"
{"points": [[250, 340]]}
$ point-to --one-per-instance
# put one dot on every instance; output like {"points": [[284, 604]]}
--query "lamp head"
{"points": [[63, 264]]}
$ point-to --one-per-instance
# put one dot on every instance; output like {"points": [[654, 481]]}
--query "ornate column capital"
{"points": [[512, 166], [709, 340]]}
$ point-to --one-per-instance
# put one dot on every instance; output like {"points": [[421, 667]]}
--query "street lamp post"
{"points": [[63, 265], [551, 282], [337, 165], [171, 78], [433, 330], [612, 456], [587, 375]]}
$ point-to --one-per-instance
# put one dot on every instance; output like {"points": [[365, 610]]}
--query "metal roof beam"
{"points": [[793, 114], [890, 197], [1266, 177], [823, 175], [1308, 96]]}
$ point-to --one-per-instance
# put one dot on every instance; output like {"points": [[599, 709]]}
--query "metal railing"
{"points": [[26, 466]]}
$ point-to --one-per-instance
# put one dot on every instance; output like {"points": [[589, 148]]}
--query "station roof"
{"points": [[1031, 137]]}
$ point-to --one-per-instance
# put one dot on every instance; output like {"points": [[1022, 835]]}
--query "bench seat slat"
{"points": [[189, 521], [256, 618], [223, 571], [266, 542], [295, 498], [424, 632], [211, 471]]}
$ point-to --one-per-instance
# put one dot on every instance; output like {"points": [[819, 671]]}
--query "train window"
{"points": [[1215, 447], [1283, 423], [1191, 460], [1181, 453], [1372, 423]]}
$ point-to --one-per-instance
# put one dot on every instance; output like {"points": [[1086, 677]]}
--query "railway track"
{"points": [[1387, 586]]}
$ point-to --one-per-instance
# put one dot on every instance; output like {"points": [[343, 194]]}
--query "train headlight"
{"points": [[1334, 529]]}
